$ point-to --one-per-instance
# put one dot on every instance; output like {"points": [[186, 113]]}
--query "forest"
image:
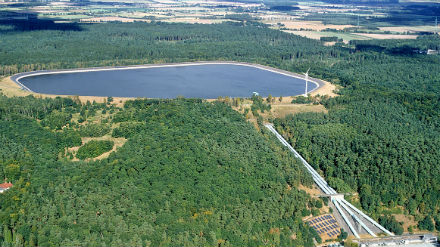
{"points": [[380, 136], [193, 173], [379, 139]]}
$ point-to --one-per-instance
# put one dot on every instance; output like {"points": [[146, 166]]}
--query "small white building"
{"points": [[432, 52], [4, 187]]}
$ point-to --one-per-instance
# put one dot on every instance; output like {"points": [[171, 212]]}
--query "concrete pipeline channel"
{"points": [[354, 221]]}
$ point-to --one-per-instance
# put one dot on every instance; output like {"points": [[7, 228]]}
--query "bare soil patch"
{"points": [[326, 89], [313, 191]]}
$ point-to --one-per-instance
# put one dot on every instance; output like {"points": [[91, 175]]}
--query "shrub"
{"points": [[94, 148], [128, 129], [70, 138], [301, 100], [390, 223], [426, 224], [94, 130], [329, 39], [56, 120]]}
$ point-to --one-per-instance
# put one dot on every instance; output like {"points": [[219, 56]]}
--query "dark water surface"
{"points": [[194, 81]]}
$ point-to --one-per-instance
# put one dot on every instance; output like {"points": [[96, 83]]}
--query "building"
{"points": [[432, 52], [5, 186], [417, 240]]}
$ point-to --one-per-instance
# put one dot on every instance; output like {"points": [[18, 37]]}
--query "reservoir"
{"points": [[199, 80]]}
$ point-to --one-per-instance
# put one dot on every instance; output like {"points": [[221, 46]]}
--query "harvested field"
{"points": [[386, 36], [410, 29], [310, 25]]}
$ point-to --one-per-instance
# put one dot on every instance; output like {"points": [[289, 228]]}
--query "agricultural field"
{"points": [[347, 37], [312, 19]]}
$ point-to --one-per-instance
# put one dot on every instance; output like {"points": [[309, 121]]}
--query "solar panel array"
{"points": [[326, 226]]}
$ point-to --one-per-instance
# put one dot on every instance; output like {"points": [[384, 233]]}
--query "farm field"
{"points": [[386, 36], [312, 19], [410, 29]]}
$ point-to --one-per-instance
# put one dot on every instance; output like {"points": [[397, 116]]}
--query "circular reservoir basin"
{"points": [[196, 80]]}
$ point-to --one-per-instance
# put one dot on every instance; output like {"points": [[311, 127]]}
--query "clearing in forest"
{"points": [[118, 142]]}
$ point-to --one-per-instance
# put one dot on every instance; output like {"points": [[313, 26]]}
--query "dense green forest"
{"points": [[193, 174], [380, 137]]}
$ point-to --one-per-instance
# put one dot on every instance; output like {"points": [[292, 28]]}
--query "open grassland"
{"points": [[405, 29], [282, 110]]}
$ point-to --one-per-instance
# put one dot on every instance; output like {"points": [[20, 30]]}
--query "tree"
{"points": [[318, 203], [94, 148], [269, 98], [426, 224], [7, 235], [343, 235], [437, 223], [390, 223], [12, 172]]}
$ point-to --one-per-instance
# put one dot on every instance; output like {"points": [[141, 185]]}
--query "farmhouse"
{"points": [[4, 187]]}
